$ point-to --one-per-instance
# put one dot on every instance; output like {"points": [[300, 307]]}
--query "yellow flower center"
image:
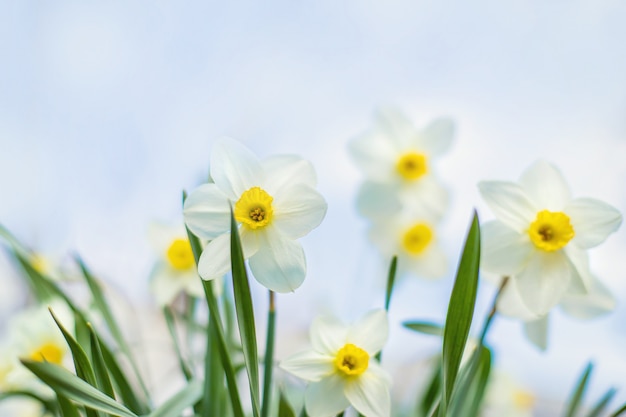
{"points": [[39, 264], [417, 238], [523, 400], [352, 360], [551, 230], [412, 165], [180, 255], [48, 352], [254, 208]]}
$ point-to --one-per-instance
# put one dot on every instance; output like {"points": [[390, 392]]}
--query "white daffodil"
{"points": [[396, 159], [273, 200], [34, 335], [341, 367], [541, 235], [175, 269], [414, 240]]}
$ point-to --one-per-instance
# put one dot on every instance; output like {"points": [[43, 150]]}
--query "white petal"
{"points": [[298, 209], [234, 168], [326, 398], [215, 259], [375, 155], [437, 137], [207, 212], [286, 170], [598, 302], [328, 335], [309, 365], [544, 281], [581, 275], [426, 197], [378, 200], [369, 394], [593, 221], [545, 186], [433, 263], [504, 251], [510, 303], [164, 284], [279, 265], [370, 333], [398, 129], [537, 332], [509, 203]]}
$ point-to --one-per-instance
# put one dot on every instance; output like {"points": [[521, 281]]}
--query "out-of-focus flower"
{"points": [[22, 407], [341, 368], [34, 335], [414, 240], [396, 159], [598, 301], [541, 235], [273, 200], [506, 397], [175, 269]]}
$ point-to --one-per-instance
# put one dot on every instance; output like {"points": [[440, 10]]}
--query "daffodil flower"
{"points": [[397, 160], [414, 239], [541, 235], [274, 202], [341, 367], [175, 270], [33, 334]]}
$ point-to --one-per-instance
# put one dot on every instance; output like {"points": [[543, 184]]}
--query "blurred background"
{"points": [[109, 109]]}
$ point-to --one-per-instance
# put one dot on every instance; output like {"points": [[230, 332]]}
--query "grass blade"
{"points": [[220, 341], [245, 313], [171, 326], [391, 279], [185, 398], [460, 312], [67, 408], [602, 404], [269, 355], [284, 409], [103, 381], [102, 306], [69, 385], [424, 327], [574, 403]]}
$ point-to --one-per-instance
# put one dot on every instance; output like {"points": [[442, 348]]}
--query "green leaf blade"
{"points": [[460, 311]]}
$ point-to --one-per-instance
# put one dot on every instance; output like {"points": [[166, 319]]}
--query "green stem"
{"points": [[269, 355], [493, 311]]}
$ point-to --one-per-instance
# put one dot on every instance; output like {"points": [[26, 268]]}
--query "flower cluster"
{"points": [[401, 196]]}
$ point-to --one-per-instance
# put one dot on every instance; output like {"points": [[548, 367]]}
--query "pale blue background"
{"points": [[109, 109]]}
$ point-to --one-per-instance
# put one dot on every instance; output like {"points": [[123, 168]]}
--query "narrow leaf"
{"points": [[67, 408], [268, 366], [171, 326], [103, 381], [391, 279], [245, 313], [460, 311], [120, 382], [74, 388], [431, 394], [468, 395], [424, 327], [284, 408], [220, 340], [185, 398], [574, 403], [103, 306], [602, 404]]}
